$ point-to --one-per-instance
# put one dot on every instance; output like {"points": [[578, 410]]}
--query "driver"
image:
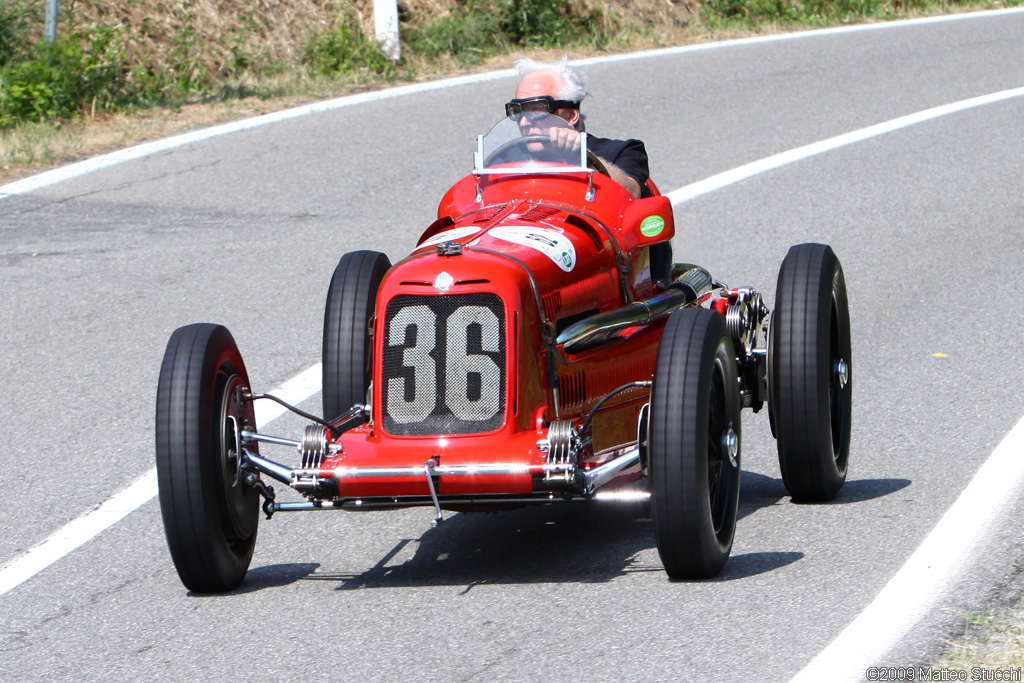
{"points": [[558, 89]]}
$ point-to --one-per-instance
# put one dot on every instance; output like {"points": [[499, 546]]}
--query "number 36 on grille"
{"points": [[443, 366]]}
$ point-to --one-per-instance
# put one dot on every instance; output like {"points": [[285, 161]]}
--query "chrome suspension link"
{"points": [[428, 468]]}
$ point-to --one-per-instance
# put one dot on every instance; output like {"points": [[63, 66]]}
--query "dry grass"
{"points": [[991, 640], [276, 31], [271, 31]]}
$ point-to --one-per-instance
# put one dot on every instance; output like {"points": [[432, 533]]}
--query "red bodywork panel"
{"points": [[550, 257]]}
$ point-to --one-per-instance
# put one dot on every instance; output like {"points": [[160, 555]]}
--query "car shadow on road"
{"points": [[860, 490], [751, 564], [759, 491], [274, 576], [585, 542], [267, 576]]}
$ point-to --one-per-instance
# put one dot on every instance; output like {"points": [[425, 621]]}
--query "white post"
{"points": [[50, 28], [385, 21]]}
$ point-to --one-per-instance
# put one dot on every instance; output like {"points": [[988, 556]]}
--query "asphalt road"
{"points": [[245, 230]]}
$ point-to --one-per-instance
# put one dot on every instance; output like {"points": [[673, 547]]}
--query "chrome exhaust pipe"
{"points": [[689, 284]]}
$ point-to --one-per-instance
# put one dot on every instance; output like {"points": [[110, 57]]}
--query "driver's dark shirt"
{"points": [[629, 155]]}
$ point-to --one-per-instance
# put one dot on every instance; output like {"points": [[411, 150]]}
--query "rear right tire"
{"points": [[810, 373]]}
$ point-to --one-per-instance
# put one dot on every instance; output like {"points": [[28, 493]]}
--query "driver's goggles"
{"points": [[545, 104]]}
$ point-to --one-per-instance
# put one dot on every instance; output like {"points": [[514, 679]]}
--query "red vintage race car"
{"points": [[523, 354]]}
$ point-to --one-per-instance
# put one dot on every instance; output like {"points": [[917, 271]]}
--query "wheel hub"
{"points": [[842, 373], [239, 498], [731, 445]]}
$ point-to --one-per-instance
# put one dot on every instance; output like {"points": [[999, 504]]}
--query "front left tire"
{"points": [[347, 356]]}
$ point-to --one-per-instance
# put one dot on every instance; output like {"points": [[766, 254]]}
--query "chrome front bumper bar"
{"points": [[288, 475], [595, 478], [586, 481]]}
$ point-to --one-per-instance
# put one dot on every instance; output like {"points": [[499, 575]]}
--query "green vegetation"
{"points": [[59, 80], [125, 57], [750, 14], [343, 50], [95, 67], [992, 641]]}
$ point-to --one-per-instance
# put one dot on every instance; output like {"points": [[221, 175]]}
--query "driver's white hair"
{"points": [[574, 81]]}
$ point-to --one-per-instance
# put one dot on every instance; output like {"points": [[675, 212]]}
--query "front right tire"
{"points": [[694, 445], [209, 520]]}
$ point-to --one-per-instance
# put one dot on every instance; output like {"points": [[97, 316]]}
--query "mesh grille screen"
{"points": [[444, 364]]}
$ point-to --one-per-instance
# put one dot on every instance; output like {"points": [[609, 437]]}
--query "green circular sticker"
{"points": [[652, 226]]}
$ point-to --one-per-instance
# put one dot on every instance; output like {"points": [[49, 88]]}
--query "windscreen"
{"points": [[519, 142]]}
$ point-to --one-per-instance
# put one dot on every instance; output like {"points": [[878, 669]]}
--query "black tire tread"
{"points": [[350, 304], [800, 373], [192, 514], [679, 410]]}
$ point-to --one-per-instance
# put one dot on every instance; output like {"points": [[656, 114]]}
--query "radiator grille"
{"points": [[444, 364]]}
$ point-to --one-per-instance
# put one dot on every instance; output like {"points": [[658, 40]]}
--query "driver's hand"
{"points": [[565, 138]]}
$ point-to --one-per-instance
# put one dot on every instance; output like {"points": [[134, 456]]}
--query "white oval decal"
{"points": [[551, 243]]}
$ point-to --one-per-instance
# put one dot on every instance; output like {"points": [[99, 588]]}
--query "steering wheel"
{"points": [[592, 159], [595, 163], [518, 142]]}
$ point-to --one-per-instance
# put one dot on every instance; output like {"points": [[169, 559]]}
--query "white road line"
{"points": [[816, 33], [717, 182], [922, 579], [57, 175], [80, 531]]}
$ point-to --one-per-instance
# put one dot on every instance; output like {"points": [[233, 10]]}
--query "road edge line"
{"points": [[754, 168], [926, 574]]}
